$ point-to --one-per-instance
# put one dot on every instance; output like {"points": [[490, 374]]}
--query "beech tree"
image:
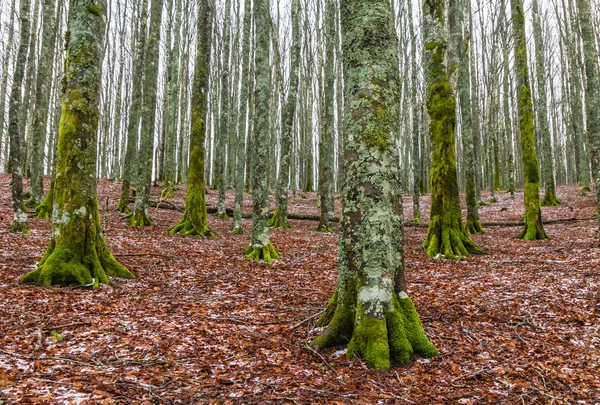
{"points": [[77, 252], [261, 247], [195, 218], [534, 228], [15, 124], [446, 235], [370, 306]]}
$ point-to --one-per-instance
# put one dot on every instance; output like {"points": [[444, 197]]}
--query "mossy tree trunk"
{"points": [[460, 63], [370, 306], [534, 228], [140, 216], [172, 104], [223, 128], [508, 126], [42, 101], [195, 218], [4, 84], [416, 157], [261, 247], [550, 198], [327, 128], [280, 219], [247, 61], [446, 235], [131, 155], [15, 125], [592, 94], [77, 252]]}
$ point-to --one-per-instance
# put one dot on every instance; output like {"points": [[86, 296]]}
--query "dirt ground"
{"points": [[200, 324]]}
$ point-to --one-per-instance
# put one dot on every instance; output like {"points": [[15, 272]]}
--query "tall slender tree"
{"points": [[326, 138], [592, 94], [247, 60], [16, 124], [261, 247], [140, 216], [446, 235], [280, 219], [195, 218], [550, 198], [77, 252], [534, 228], [370, 306]]}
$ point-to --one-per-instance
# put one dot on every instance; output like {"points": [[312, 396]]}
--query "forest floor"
{"points": [[200, 324]]}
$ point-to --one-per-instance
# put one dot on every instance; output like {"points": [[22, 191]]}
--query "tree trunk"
{"points": [[261, 247], [15, 125], [327, 132], [280, 216], [143, 183], [370, 306], [195, 218], [77, 252], [534, 228], [550, 198], [446, 235], [592, 103], [131, 154]]}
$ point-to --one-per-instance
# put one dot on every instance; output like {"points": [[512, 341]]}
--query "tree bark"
{"points": [[370, 306], [77, 252]]}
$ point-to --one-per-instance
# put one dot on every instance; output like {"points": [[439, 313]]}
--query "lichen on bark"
{"points": [[195, 218], [77, 252], [534, 228], [261, 247], [370, 309]]}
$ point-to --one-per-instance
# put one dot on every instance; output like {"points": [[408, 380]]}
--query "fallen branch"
{"points": [[65, 325], [306, 320], [408, 224]]}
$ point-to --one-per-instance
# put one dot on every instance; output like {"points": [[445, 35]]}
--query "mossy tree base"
{"points": [[65, 266], [19, 227], [222, 215], [551, 200], [44, 209], [187, 227], [448, 239], [398, 337], [534, 228], [123, 208], [237, 230], [473, 227], [267, 253], [139, 219], [168, 190], [279, 221]]}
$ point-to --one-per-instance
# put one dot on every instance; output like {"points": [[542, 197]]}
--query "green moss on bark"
{"points": [[195, 217], [534, 228], [279, 221], [44, 210], [268, 253], [77, 252]]}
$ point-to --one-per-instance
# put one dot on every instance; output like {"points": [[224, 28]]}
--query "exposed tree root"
{"points": [[398, 337], [279, 221], [168, 191], [139, 218], [446, 238], [65, 266], [267, 253], [473, 227], [550, 200]]}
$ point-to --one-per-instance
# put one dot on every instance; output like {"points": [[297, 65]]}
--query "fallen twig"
{"points": [[306, 320]]}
